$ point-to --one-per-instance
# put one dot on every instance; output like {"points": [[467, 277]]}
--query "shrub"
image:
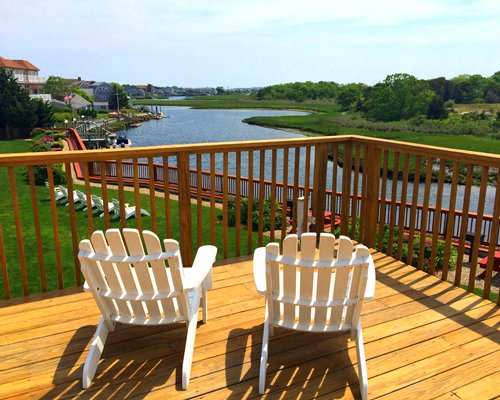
{"points": [[266, 221], [40, 173]]}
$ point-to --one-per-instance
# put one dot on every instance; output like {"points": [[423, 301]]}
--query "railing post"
{"points": [[185, 225], [346, 188], [372, 165], [319, 193]]}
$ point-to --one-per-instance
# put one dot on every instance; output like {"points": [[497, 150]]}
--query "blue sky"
{"points": [[242, 43]]}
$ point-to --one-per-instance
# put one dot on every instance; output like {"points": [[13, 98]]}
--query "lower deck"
{"points": [[424, 339]]}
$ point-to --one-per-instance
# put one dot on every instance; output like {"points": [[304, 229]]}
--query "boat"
{"points": [[134, 124], [122, 141]]}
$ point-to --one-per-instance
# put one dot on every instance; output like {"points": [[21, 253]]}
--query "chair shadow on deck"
{"points": [[135, 361], [300, 365]]}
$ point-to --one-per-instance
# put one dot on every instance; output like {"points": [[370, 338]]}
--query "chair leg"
{"points": [[263, 358], [362, 371], [204, 304], [188, 351], [95, 352]]}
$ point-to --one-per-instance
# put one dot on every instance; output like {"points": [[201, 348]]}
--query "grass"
{"points": [[479, 107], [64, 229], [320, 122]]}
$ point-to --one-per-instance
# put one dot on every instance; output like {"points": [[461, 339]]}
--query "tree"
{"points": [[57, 86], [122, 96], [17, 110], [350, 97], [220, 90], [78, 90], [399, 96]]}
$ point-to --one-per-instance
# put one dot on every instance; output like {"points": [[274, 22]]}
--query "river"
{"points": [[186, 125]]}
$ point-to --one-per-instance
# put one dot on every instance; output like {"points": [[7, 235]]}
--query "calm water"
{"points": [[186, 125]]}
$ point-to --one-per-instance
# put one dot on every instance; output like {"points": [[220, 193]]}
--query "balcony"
{"points": [[30, 79], [427, 335]]}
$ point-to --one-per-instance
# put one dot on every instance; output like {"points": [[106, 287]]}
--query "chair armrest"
{"points": [[202, 266], [259, 269], [370, 283]]}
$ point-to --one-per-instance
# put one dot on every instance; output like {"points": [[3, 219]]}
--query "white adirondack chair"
{"points": [[65, 196], [129, 211], [99, 205], [312, 293], [133, 287], [58, 191], [82, 198]]}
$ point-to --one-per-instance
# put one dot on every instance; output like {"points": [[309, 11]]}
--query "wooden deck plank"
{"points": [[418, 327]]}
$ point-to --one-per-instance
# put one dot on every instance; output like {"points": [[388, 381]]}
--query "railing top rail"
{"points": [[154, 151], [18, 159], [475, 157]]}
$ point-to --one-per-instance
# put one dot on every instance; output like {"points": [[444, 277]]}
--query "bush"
{"points": [[266, 224], [428, 244], [40, 173]]}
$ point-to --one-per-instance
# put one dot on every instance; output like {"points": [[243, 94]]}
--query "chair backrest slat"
{"points": [[324, 289], [160, 273], [109, 270], [315, 279], [308, 253], [177, 274], [142, 270]]}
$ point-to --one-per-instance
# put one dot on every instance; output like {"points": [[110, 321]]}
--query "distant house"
{"points": [[102, 91], [134, 91], [27, 76], [101, 105]]}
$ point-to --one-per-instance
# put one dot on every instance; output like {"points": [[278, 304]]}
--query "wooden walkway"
{"points": [[424, 339]]}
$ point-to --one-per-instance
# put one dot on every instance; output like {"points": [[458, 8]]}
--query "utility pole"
{"points": [[117, 101]]}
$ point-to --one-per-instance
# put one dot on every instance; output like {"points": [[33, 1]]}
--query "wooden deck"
{"points": [[424, 339]]}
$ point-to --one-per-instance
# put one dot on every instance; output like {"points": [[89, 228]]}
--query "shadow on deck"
{"points": [[424, 339]]}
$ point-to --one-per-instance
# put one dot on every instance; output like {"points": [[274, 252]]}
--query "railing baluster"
{"points": [[346, 188], [121, 193], [394, 194], [284, 203], [199, 199], [320, 169], [437, 216], [463, 227], [273, 194], [166, 193], [55, 227], [238, 203], [450, 221], [72, 221], [137, 197], [90, 220], [212, 198], [225, 173], [477, 230], [383, 209], [364, 189], [152, 193], [307, 174], [262, 162], [413, 210], [250, 202], [104, 191], [354, 201], [333, 201], [296, 167], [371, 172], [38, 234], [402, 207], [425, 210]]}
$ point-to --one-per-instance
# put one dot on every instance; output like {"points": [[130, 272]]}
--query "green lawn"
{"points": [[29, 238], [319, 122]]}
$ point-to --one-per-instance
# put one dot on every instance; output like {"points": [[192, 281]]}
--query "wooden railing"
{"points": [[332, 205], [38, 239]]}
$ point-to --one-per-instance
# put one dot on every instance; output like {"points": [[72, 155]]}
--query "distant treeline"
{"points": [[399, 96]]}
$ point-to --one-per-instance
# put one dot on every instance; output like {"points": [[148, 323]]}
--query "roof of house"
{"points": [[17, 64]]}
